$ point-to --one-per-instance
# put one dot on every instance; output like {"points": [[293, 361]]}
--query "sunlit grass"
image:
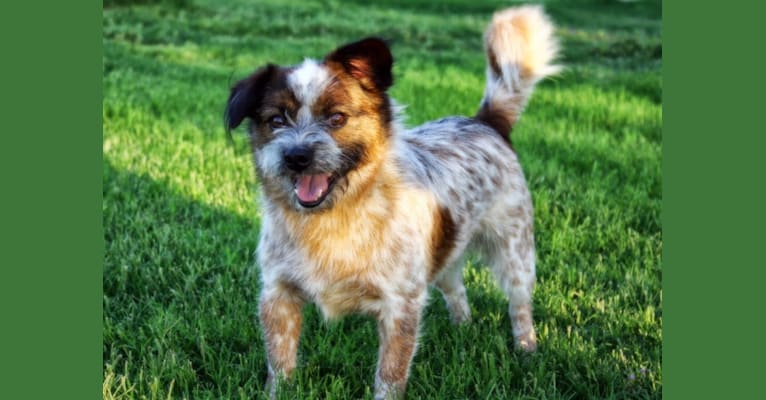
{"points": [[180, 282]]}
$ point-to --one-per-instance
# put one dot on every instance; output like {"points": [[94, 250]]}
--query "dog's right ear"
{"points": [[368, 60], [245, 97]]}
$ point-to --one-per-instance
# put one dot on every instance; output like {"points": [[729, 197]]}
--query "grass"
{"points": [[180, 284]]}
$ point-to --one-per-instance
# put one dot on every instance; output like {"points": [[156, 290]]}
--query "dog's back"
{"points": [[470, 165]]}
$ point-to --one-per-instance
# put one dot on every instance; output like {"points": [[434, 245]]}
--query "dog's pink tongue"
{"points": [[309, 188]]}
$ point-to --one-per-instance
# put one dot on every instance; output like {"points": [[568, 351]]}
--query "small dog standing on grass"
{"points": [[361, 215]]}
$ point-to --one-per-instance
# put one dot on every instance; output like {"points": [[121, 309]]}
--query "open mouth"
{"points": [[311, 190]]}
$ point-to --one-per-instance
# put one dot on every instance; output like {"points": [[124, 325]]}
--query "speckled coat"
{"points": [[360, 215]]}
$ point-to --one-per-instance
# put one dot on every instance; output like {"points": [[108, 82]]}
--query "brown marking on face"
{"points": [[281, 319], [370, 110], [443, 238], [246, 96], [515, 282], [339, 96], [277, 99], [362, 138]]}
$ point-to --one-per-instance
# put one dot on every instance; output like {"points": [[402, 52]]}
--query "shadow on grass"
{"points": [[173, 268]]}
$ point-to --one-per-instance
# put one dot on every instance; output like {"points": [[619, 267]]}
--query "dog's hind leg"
{"points": [[450, 284], [512, 260]]}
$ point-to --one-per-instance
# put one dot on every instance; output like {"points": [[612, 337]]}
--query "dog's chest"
{"points": [[352, 259], [359, 264], [350, 279], [351, 295]]}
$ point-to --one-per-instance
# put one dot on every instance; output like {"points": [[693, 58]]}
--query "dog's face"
{"points": [[317, 129]]}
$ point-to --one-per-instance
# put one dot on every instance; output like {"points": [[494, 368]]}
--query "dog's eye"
{"points": [[337, 120], [277, 121]]}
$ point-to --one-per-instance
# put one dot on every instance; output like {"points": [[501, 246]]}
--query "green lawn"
{"points": [[180, 281]]}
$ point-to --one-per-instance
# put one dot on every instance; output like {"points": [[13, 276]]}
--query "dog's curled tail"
{"points": [[520, 48]]}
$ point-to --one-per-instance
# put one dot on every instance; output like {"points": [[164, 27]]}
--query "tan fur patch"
{"points": [[278, 100], [324, 233]]}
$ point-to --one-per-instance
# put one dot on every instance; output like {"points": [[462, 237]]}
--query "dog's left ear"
{"points": [[245, 97], [368, 60]]}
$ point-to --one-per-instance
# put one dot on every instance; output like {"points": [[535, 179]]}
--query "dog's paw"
{"points": [[527, 342], [459, 310], [388, 391], [460, 315]]}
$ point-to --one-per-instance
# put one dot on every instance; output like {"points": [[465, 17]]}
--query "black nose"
{"points": [[299, 158]]}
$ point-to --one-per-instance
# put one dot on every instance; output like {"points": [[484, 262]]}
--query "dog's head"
{"points": [[317, 129]]}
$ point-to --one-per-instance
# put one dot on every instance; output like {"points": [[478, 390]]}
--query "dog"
{"points": [[360, 215]]}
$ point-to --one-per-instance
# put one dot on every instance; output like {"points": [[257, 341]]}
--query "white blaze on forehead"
{"points": [[308, 81]]}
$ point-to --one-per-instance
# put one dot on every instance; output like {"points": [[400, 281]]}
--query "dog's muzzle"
{"points": [[298, 158], [310, 189]]}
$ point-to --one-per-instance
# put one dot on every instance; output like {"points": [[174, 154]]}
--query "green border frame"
{"points": [[52, 238], [712, 183], [51, 257]]}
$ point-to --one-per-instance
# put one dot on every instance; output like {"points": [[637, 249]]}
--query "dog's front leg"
{"points": [[398, 333], [280, 314]]}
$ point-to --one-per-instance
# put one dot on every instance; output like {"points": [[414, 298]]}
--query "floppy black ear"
{"points": [[368, 60], [245, 97]]}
